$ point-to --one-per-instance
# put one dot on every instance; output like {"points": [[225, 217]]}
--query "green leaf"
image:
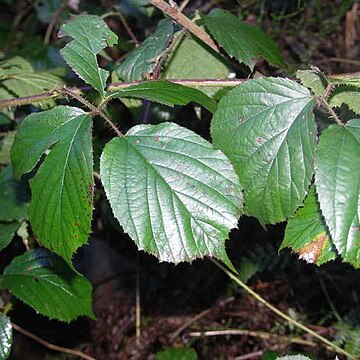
{"points": [[243, 41], [346, 94], [314, 80], [306, 233], [62, 189], [293, 357], [5, 147], [6, 336], [90, 35], [267, 129], [166, 93], [352, 79], [7, 232], [191, 59], [337, 178], [17, 79], [174, 194], [177, 354], [142, 59], [46, 283], [13, 197]]}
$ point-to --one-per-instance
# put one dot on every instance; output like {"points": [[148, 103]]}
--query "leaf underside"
{"points": [[62, 189], [243, 41], [267, 129], [90, 35], [337, 178], [45, 282], [142, 60], [175, 195], [307, 234], [167, 93]]}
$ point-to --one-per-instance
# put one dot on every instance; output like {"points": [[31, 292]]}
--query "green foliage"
{"points": [[190, 59], [13, 197], [243, 41], [338, 191], [90, 35], [162, 183], [142, 60], [7, 232], [45, 282], [307, 234], [6, 336], [293, 357], [177, 354], [349, 337], [18, 78], [166, 93], [62, 189], [267, 129]]}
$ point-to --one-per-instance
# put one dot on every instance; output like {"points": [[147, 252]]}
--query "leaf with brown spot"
{"points": [[307, 234]]}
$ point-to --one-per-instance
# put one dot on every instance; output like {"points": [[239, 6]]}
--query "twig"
{"points": [[58, 93], [249, 356], [332, 306], [340, 60], [186, 82], [175, 13], [138, 307], [53, 22], [194, 319], [333, 114], [274, 309], [50, 346], [124, 23], [258, 334], [90, 106]]}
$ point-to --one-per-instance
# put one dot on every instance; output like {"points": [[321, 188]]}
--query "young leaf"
{"points": [[174, 194], [267, 129], [62, 189], [166, 93], [346, 94], [337, 178], [7, 232], [306, 233], [13, 197], [172, 353], [243, 41], [142, 60], [6, 336], [46, 283], [191, 59], [314, 80], [90, 35]]}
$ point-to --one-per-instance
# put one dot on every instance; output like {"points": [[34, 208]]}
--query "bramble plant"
{"points": [[176, 194]]}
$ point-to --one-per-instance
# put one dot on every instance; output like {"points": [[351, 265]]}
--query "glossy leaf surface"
{"points": [[46, 283], [62, 189], [174, 194], [337, 178], [142, 59], [6, 336], [90, 35], [267, 129], [243, 41], [306, 233], [167, 93]]}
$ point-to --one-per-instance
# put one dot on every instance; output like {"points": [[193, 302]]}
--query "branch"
{"points": [[50, 346], [287, 318], [175, 13], [62, 92]]}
